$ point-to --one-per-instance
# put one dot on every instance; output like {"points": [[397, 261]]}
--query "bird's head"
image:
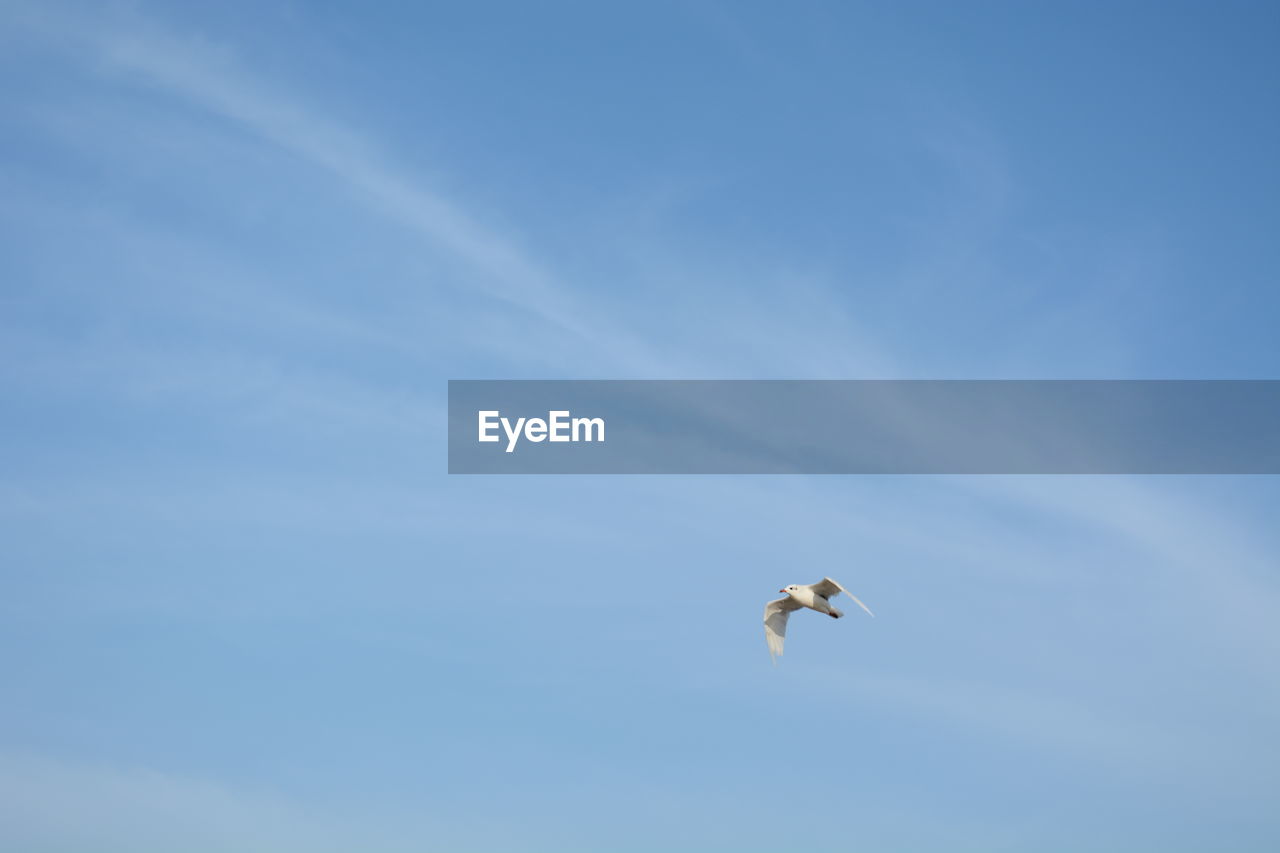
{"points": [[789, 589]]}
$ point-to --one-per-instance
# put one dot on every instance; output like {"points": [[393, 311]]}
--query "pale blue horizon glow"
{"points": [[242, 607]]}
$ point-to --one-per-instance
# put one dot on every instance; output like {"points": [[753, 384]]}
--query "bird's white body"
{"points": [[814, 596], [805, 596]]}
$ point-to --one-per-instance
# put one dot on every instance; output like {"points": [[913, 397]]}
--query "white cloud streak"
{"points": [[53, 806]]}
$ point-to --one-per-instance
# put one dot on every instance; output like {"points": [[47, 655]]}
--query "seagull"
{"points": [[815, 596]]}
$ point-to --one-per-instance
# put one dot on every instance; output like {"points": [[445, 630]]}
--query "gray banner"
{"points": [[864, 427]]}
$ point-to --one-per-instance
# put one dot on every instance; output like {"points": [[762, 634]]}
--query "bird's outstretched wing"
{"points": [[775, 623], [827, 588]]}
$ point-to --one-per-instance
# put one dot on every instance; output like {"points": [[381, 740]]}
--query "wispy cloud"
{"points": [[212, 79], [197, 72], [53, 805]]}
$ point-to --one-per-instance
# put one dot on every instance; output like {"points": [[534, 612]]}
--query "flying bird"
{"points": [[815, 596]]}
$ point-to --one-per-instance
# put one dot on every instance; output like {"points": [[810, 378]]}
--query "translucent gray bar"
{"points": [[870, 427]]}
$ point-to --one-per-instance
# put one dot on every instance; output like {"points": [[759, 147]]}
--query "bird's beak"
{"points": [[782, 590]]}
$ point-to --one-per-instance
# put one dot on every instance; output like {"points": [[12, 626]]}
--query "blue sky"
{"points": [[244, 247]]}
